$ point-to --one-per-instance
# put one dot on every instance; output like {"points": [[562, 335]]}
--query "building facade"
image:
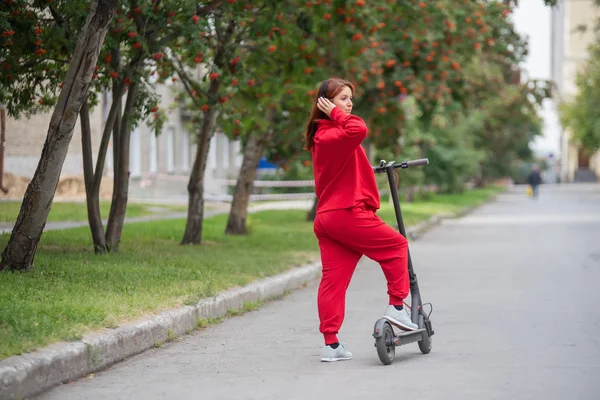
{"points": [[159, 165], [569, 46]]}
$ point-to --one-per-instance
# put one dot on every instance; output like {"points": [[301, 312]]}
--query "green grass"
{"points": [[419, 211], [71, 291], [77, 211]]}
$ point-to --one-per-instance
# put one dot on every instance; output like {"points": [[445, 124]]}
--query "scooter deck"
{"points": [[406, 337]]}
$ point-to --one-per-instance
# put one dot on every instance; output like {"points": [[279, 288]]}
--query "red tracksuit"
{"points": [[346, 224]]}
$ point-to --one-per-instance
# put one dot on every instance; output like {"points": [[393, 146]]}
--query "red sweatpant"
{"points": [[344, 236]]}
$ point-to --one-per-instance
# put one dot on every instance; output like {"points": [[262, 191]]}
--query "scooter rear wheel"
{"points": [[386, 350]]}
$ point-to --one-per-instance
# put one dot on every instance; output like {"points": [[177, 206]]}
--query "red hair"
{"points": [[329, 88]]}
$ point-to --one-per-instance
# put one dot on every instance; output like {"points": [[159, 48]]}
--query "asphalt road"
{"points": [[515, 288]]}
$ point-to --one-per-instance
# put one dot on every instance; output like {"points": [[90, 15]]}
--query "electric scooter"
{"points": [[386, 339]]}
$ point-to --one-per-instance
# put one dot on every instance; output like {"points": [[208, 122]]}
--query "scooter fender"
{"points": [[378, 329]]}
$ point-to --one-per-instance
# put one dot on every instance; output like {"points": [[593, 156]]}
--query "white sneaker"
{"points": [[400, 318], [329, 354]]}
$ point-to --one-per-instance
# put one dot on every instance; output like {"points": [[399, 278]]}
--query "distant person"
{"points": [[535, 180], [346, 224]]}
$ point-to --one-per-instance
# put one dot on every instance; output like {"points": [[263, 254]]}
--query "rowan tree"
{"points": [[131, 64], [21, 248]]}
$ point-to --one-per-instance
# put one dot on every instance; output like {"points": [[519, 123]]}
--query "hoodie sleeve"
{"points": [[353, 127]]}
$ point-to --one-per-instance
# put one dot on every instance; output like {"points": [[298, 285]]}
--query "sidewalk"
{"points": [[30, 374]]}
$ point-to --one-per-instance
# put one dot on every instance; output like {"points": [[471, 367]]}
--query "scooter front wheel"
{"points": [[425, 343], [386, 350]]}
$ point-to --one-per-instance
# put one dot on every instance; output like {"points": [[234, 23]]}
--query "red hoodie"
{"points": [[343, 174]]}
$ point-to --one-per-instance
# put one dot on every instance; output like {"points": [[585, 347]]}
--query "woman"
{"points": [[346, 225]]}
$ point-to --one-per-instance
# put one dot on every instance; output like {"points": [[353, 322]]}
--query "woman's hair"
{"points": [[329, 89]]}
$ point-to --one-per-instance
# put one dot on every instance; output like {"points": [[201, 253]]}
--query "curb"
{"points": [[31, 374]]}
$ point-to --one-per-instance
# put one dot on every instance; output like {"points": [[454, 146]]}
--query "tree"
{"points": [[246, 53], [20, 250], [136, 52], [37, 66], [509, 106], [131, 63], [330, 45], [452, 70], [207, 88], [580, 113], [276, 105], [409, 77]]}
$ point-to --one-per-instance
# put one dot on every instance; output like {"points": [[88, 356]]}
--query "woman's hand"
{"points": [[325, 105]]}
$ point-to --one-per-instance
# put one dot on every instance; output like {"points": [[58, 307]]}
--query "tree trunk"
{"points": [[20, 250], [479, 182], [312, 214], [479, 179], [93, 179], [92, 199], [409, 193], [116, 136], [2, 145], [193, 225], [118, 207], [114, 112], [236, 223]]}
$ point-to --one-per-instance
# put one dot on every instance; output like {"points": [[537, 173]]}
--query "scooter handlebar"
{"points": [[416, 163], [404, 164]]}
